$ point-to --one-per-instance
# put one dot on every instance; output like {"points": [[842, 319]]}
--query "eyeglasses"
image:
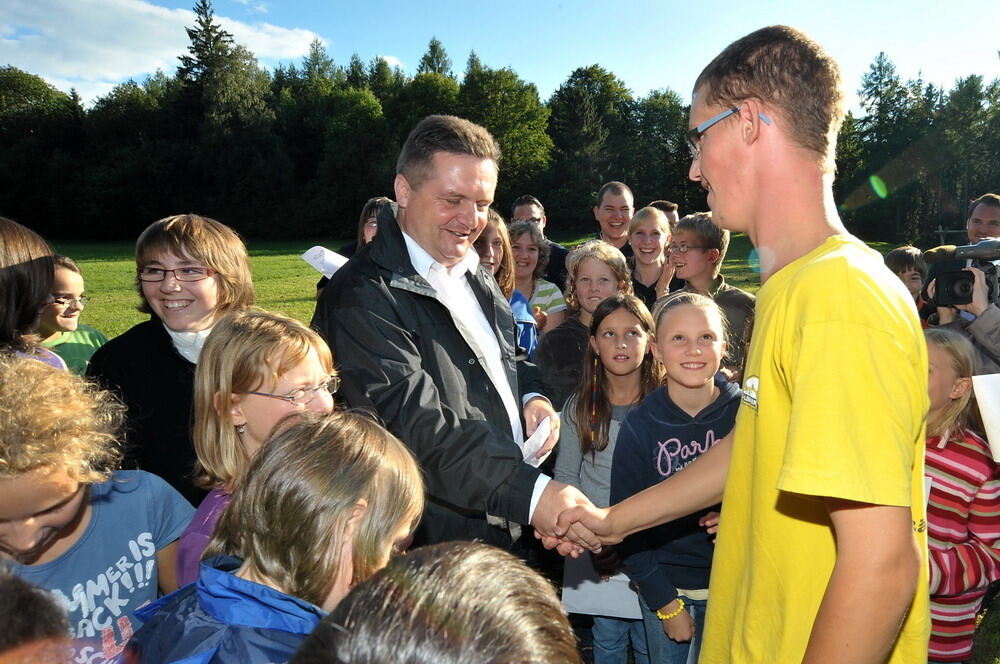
{"points": [[534, 220], [683, 248], [180, 273], [67, 301], [694, 134], [371, 224], [304, 395]]}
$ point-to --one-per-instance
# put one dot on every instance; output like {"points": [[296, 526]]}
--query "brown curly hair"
{"points": [[51, 419]]}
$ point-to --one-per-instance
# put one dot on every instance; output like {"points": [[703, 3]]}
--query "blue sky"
{"points": [[94, 44]]}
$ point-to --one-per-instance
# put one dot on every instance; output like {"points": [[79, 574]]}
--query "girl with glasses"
{"points": [[191, 271], [60, 326], [256, 368]]}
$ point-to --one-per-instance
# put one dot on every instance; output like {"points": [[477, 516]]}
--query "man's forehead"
{"points": [[986, 212], [624, 199]]}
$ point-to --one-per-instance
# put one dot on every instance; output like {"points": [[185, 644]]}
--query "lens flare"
{"points": [[753, 261], [878, 186]]}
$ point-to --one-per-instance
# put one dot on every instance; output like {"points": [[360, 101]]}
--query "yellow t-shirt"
{"points": [[835, 396]]}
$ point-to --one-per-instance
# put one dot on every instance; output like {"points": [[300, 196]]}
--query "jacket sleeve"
{"points": [[985, 332], [975, 563], [637, 552], [467, 463]]}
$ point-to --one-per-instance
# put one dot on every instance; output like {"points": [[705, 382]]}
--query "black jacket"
{"points": [[157, 384], [399, 352]]}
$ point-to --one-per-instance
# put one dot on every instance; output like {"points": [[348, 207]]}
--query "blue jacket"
{"points": [[223, 618], [656, 441]]}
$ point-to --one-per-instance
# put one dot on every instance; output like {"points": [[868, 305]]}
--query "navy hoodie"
{"points": [[657, 440]]}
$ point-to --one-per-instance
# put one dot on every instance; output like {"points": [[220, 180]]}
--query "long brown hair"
{"points": [[26, 274], [593, 409]]}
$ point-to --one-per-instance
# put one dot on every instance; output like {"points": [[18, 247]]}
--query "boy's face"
{"points": [[38, 510], [67, 286], [697, 262], [912, 280]]}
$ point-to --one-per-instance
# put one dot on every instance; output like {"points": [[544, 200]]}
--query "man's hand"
{"points": [[980, 299], [585, 523], [556, 498], [535, 411], [681, 627]]}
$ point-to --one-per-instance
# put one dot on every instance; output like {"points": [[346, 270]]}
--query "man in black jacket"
{"points": [[423, 336]]}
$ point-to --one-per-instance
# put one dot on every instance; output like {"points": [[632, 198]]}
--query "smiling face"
{"points": [[593, 283], [41, 512], [525, 256], [983, 223], [613, 214], [695, 263], [689, 345], [489, 246], [183, 306], [58, 318], [648, 241], [621, 343], [912, 280], [258, 414], [448, 211]]}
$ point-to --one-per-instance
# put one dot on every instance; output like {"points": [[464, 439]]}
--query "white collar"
{"points": [[188, 344], [423, 262]]}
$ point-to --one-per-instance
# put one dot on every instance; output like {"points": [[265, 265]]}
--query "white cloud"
{"points": [[94, 44], [392, 60], [255, 6]]}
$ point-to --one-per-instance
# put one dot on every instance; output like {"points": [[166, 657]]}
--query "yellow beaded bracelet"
{"points": [[668, 616]]}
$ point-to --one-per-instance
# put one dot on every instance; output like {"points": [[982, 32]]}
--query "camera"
{"points": [[954, 284]]}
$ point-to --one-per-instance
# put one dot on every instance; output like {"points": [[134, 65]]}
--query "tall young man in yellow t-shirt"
{"points": [[819, 554]]}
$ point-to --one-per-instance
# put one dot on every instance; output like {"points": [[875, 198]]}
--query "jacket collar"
{"points": [[235, 601]]}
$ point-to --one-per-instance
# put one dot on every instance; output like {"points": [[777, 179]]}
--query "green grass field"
{"points": [[285, 283]]}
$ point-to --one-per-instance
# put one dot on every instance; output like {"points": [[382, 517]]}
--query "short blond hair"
{"points": [[51, 419], [288, 518], [784, 68], [646, 214], [601, 251], [213, 243], [245, 351]]}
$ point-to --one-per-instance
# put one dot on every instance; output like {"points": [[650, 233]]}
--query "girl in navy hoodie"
{"points": [[672, 427]]}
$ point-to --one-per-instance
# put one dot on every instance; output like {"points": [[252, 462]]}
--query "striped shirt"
{"points": [[963, 519]]}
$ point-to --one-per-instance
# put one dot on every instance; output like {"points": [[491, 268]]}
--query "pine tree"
{"points": [[435, 60]]}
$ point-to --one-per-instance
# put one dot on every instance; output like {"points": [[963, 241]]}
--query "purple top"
{"points": [[44, 355], [195, 537]]}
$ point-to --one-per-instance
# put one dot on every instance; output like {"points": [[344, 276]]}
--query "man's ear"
{"points": [[595, 213], [402, 188], [751, 111]]}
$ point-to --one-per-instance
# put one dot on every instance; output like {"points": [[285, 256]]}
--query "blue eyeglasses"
{"points": [[694, 134]]}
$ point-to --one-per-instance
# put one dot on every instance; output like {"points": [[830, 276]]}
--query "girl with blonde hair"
{"points": [[321, 508], [256, 367]]}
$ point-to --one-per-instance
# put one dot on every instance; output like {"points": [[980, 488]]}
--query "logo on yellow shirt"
{"points": [[750, 387]]}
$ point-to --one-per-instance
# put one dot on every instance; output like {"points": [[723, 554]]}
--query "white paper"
{"points": [[324, 260], [987, 391], [585, 592], [535, 443]]}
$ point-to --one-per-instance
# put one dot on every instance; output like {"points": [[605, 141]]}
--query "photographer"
{"points": [[968, 305]]}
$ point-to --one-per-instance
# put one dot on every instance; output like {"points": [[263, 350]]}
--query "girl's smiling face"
{"points": [[183, 306], [621, 343], [648, 241], [594, 282], [690, 345], [525, 256]]}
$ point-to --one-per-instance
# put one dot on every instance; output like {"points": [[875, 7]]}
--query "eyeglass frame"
{"points": [[682, 248], [694, 134], [331, 384], [209, 272], [78, 301]]}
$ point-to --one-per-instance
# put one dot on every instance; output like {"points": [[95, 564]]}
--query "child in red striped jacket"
{"points": [[963, 511]]}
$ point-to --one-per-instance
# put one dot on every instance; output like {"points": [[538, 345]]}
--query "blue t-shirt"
{"points": [[111, 569]]}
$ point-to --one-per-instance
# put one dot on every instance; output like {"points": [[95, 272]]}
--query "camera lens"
{"points": [[962, 290]]}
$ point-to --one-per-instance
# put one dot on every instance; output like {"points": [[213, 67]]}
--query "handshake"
{"points": [[567, 521]]}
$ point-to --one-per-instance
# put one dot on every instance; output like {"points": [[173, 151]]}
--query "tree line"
{"points": [[294, 153]]}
